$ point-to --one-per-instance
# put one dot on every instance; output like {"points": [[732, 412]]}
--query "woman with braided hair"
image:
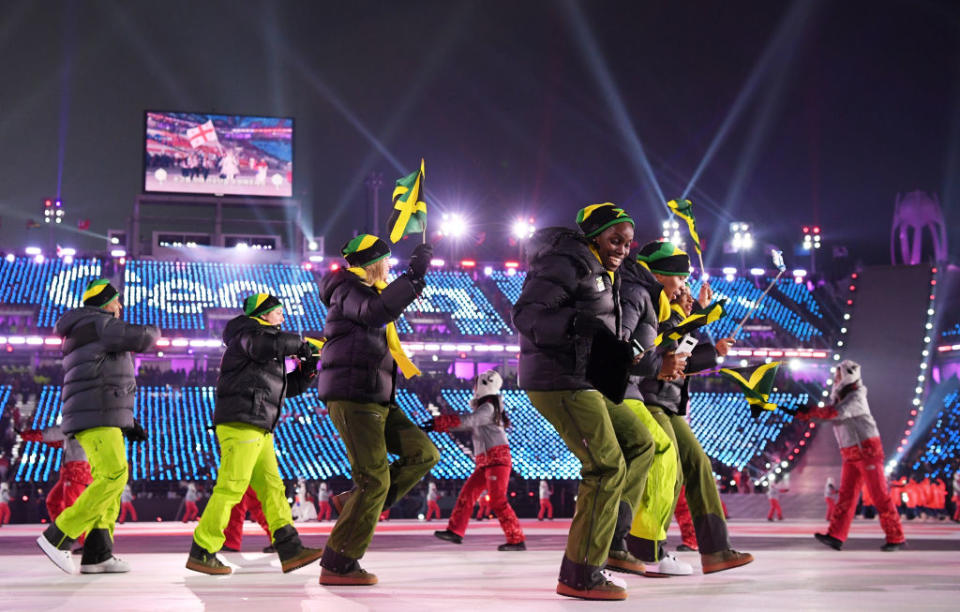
{"points": [[487, 424]]}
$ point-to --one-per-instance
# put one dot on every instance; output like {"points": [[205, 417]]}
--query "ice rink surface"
{"points": [[419, 572]]}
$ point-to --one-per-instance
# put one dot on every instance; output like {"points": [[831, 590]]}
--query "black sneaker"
{"points": [[449, 536], [829, 540], [685, 548], [205, 562], [269, 549], [230, 549], [891, 546], [509, 546]]}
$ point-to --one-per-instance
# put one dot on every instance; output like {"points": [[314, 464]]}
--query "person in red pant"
{"points": [[433, 508], [774, 491], [956, 495], [233, 533], [323, 502], [830, 496], [688, 534], [546, 506], [75, 473], [126, 505], [862, 455], [483, 505], [492, 452], [4, 503], [190, 510]]}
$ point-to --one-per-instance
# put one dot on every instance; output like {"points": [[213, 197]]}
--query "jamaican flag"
{"points": [[409, 214], [758, 387], [684, 210], [708, 315], [316, 344]]}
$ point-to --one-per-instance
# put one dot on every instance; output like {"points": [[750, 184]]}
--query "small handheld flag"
{"points": [[758, 387], [708, 315], [316, 344], [781, 268], [409, 214], [684, 209]]}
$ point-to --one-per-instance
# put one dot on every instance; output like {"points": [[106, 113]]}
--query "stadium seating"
{"points": [[53, 285], [182, 445], [942, 444], [175, 295], [178, 296]]}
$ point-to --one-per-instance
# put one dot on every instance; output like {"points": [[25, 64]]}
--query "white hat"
{"points": [[488, 383], [849, 372]]}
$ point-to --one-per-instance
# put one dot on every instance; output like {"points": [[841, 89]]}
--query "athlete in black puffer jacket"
{"points": [[253, 382], [251, 388], [358, 382], [570, 295], [99, 391]]}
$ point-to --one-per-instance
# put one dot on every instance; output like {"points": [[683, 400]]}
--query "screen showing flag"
{"points": [[207, 154]]}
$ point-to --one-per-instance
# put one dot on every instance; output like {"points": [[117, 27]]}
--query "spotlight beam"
{"points": [[786, 36], [611, 94]]}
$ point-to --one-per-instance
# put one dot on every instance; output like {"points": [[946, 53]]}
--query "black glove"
{"points": [[135, 433], [305, 351], [429, 425], [309, 367], [586, 326], [420, 261]]}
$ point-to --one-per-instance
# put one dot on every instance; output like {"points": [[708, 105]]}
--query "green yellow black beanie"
{"points": [[595, 218], [99, 293], [664, 258], [260, 304], [364, 250]]}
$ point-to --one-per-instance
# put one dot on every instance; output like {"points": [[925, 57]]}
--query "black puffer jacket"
{"points": [[673, 396], [639, 299], [253, 380], [356, 362], [564, 278], [99, 384]]}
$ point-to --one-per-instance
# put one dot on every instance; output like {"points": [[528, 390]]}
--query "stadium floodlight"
{"points": [[313, 245], [741, 238], [32, 250], [453, 225], [437, 263], [524, 227], [757, 271], [12, 258], [671, 232], [729, 271], [118, 253], [39, 258], [66, 251]]}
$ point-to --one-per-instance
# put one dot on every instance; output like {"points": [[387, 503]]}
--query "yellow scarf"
{"points": [[677, 308], [393, 340], [596, 254], [663, 312]]}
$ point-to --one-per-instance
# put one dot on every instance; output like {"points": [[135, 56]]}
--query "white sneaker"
{"points": [[669, 565], [620, 582], [113, 565], [61, 558]]}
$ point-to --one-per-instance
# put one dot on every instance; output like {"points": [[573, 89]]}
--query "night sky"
{"points": [[513, 105]]}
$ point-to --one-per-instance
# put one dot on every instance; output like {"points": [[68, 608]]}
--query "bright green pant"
{"points": [[247, 458], [370, 431], [615, 451], [98, 505], [664, 480]]}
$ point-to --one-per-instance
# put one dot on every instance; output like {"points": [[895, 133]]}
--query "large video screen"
{"points": [[199, 153]]}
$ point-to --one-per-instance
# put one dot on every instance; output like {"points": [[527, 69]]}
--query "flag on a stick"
{"points": [[202, 134], [684, 210], [708, 315], [409, 214], [758, 387]]}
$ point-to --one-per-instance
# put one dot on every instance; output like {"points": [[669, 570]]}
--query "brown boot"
{"points": [[355, 577], [293, 554], [606, 590], [623, 561], [723, 560]]}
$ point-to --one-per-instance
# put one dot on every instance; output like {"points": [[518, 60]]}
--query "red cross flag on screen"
{"points": [[202, 134]]}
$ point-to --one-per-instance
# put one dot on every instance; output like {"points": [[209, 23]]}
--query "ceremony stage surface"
{"points": [[419, 572]]}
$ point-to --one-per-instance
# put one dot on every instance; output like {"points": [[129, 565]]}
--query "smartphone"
{"points": [[686, 344]]}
